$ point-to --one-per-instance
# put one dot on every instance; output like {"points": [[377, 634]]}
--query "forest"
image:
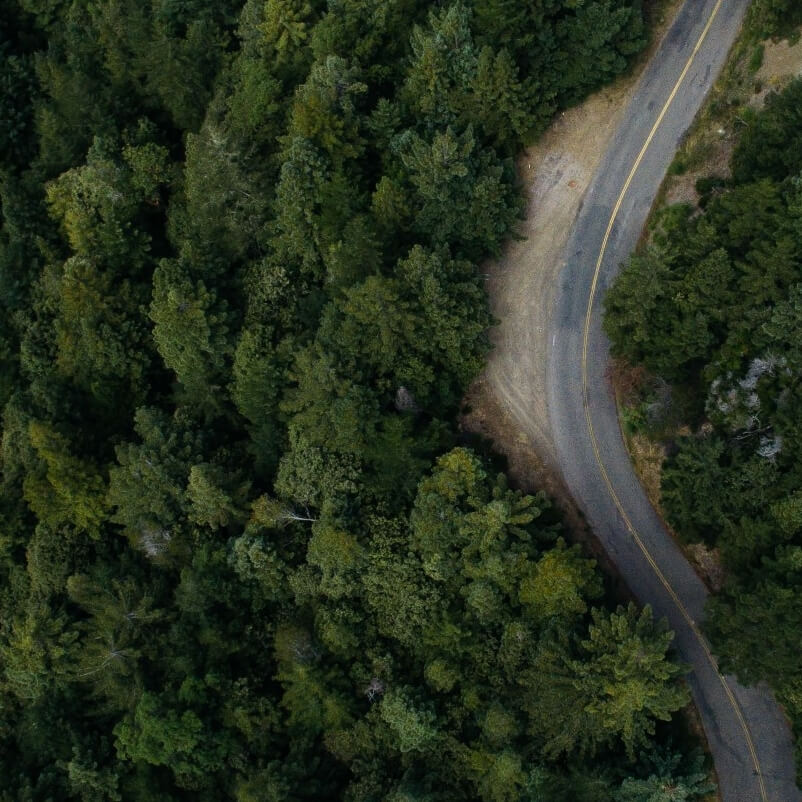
{"points": [[712, 308], [244, 551]]}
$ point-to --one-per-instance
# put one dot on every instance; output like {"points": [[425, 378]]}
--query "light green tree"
{"points": [[191, 332], [626, 678], [70, 489], [561, 584], [413, 727]]}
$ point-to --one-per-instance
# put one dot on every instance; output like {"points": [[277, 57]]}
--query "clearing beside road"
{"points": [[507, 402]]}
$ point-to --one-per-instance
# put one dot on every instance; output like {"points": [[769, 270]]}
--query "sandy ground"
{"points": [[508, 401], [781, 62]]}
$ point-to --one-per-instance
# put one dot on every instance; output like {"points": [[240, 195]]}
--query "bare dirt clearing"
{"points": [[781, 62]]}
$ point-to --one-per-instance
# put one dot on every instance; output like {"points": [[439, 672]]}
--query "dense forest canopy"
{"points": [[714, 306], [243, 553]]}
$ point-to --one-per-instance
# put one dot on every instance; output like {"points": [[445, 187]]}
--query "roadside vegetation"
{"points": [[243, 554], [710, 313], [722, 117]]}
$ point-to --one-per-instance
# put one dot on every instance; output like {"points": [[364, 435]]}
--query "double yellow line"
{"points": [[586, 401]]}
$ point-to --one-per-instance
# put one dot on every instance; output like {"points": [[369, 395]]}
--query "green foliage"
{"points": [[544, 39], [69, 489], [284, 30], [452, 81], [325, 111], [463, 194], [770, 146], [412, 727], [17, 89], [212, 502], [671, 778], [147, 488], [190, 330], [240, 556], [560, 584], [612, 688], [163, 735], [120, 616], [626, 645], [774, 17]]}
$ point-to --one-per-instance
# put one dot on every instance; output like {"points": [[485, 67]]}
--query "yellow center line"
{"points": [[594, 442]]}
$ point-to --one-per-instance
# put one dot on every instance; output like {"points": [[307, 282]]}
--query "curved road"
{"points": [[748, 735]]}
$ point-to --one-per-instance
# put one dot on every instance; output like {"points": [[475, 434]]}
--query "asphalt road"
{"points": [[748, 735]]}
